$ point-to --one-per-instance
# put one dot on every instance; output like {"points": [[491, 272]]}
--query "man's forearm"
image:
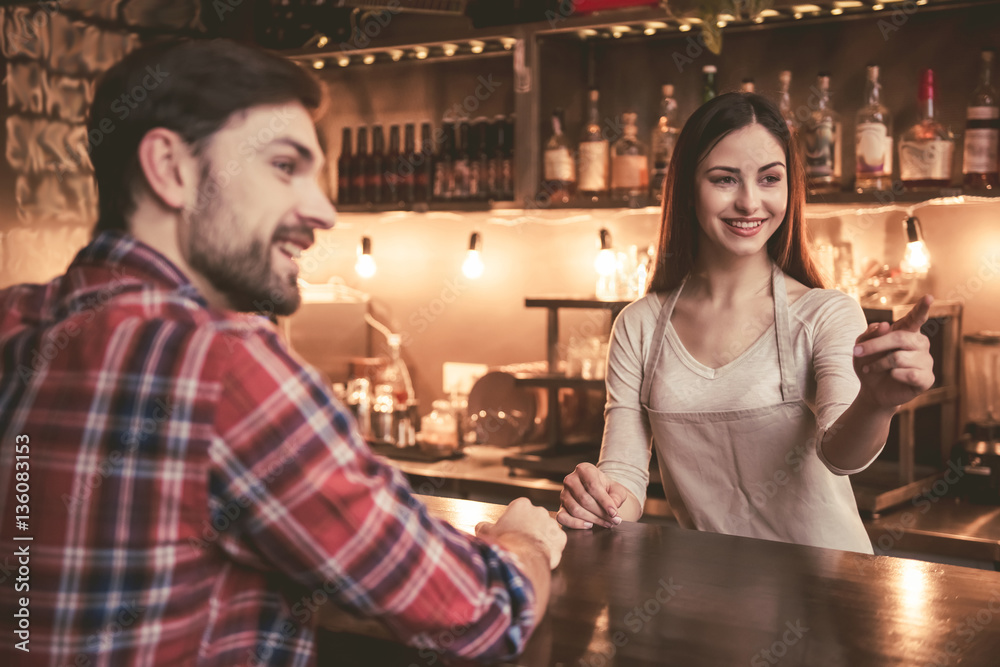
{"points": [[534, 564]]}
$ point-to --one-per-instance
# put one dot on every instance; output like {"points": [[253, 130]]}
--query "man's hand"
{"points": [[589, 497], [894, 362], [522, 521]]}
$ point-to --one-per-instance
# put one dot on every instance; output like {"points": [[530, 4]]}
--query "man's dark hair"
{"points": [[189, 86]]}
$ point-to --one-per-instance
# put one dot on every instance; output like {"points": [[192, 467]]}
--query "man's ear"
{"points": [[169, 167]]}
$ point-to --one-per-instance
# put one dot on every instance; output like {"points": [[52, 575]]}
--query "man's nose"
{"points": [[316, 208]]}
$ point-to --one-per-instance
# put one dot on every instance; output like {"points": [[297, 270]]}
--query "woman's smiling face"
{"points": [[741, 191]]}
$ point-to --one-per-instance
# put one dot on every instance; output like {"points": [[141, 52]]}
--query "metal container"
{"points": [[982, 377]]}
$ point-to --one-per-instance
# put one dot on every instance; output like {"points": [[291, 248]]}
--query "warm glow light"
{"points": [[369, 59], [726, 17], [449, 49], [621, 28], [322, 41], [344, 62], [721, 24], [365, 266], [420, 52], [768, 13], [508, 43], [476, 46], [588, 32], [806, 8], [837, 11], [921, 2], [916, 259], [878, 8], [319, 64], [472, 267], [846, 4], [396, 55], [759, 19], [649, 31], [797, 15], [605, 263], [684, 27]]}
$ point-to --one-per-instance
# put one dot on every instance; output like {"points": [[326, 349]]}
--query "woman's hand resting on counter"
{"points": [[894, 362], [589, 497]]}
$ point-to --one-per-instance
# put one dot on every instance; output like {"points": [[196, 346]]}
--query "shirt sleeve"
{"points": [[838, 323], [626, 445], [319, 508]]}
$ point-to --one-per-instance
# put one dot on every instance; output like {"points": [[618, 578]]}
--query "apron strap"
{"points": [[782, 331], [656, 345]]}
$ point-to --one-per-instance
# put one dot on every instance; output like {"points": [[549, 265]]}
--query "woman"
{"points": [[751, 380]]}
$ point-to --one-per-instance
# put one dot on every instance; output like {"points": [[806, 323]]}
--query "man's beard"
{"points": [[239, 268]]}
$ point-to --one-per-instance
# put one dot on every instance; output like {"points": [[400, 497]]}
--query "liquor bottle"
{"points": [[748, 86], [493, 158], [506, 174], [821, 140], [785, 99], [444, 160], [344, 164], [375, 178], [423, 173], [460, 167], [629, 166], [926, 149], [708, 83], [478, 160], [390, 173], [873, 139], [559, 167], [664, 138], [359, 191], [982, 130], [408, 165], [594, 153]]}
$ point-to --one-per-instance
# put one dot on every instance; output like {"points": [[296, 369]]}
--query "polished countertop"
{"points": [[644, 594]]}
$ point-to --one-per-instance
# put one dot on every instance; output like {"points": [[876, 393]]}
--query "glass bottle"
{"points": [[982, 131], [664, 138], [444, 175], [559, 167], [460, 167], [359, 173], [506, 173], [873, 139], [344, 164], [594, 152], [821, 135], [408, 165], [708, 83], [423, 172], [785, 99], [926, 148], [494, 158], [477, 160], [629, 165], [395, 375], [390, 172], [376, 163]]}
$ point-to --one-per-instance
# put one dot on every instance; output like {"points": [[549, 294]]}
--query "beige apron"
{"points": [[752, 472]]}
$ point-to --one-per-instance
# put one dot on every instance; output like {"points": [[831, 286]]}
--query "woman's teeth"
{"points": [[745, 224], [290, 248]]}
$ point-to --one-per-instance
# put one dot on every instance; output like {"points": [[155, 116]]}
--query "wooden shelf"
{"points": [[550, 381], [587, 302]]}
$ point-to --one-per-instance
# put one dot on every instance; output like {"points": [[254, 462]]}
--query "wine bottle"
{"points": [[982, 131], [629, 165], [664, 138], [559, 168], [873, 139], [344, 164], [926, 148], [821, 135], [593, 154]]}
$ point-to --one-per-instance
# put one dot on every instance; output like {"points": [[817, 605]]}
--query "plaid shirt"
{"points": [[197, 494]]}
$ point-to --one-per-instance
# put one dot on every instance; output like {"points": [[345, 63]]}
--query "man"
{"points": [[192, 490]]}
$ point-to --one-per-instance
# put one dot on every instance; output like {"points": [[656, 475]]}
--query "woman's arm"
{"points": [[894, 366]]}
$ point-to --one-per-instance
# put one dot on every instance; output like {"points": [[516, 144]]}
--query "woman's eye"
{"points": [[725, 180], [286, 166], [771, 179]]}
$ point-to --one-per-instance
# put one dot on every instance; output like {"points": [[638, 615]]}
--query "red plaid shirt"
{"points": [[196, 494]]}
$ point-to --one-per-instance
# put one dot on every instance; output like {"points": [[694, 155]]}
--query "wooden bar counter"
{"points": [[644, 594]]}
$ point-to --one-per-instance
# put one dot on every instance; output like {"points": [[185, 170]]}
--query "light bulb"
{"points": [[473, 266], [916, 259], [605, 263], [365, 266]]}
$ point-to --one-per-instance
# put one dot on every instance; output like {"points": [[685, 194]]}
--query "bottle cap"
{"points": [[709, 69], [926, 90], [668, 90]]}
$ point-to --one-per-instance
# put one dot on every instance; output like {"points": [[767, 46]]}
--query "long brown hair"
{"points": [[678, 244]]}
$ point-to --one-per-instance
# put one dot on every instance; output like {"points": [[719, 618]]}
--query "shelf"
{"points": [[574, 302], [549, 381]]}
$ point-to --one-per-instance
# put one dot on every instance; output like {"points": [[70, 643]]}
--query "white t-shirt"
{"points": [[823, 325]]}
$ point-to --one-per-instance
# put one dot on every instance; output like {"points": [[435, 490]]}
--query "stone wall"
{"points": [[54, 52]]}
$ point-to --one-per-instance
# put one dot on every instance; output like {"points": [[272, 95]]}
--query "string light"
{"points": [[420, 52], [684, 27], [396, 55], [344, 61], [472, 267], [508, 43], [368, 59], [365, 266], [916, 258], [605, 261], [449, 49], [322, 41], [477, 46], [319, 64]]}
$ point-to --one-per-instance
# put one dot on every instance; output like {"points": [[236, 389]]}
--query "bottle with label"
{"points": [[629, 166], [664, 138], [708, 83], [444, 161], [460, 168], [359, 178], [873, 139], [927, 148], [390, 172], [982, 131], [592, 177], [821, 135], [785, 99], [423, 167], [478, 160], [493, 158], [376, 178], [395, 376], [559, 166], [344, 164], [408, 165], [506, 174]]}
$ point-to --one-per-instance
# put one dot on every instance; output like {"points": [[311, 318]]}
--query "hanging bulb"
{"points": [[916, 258], [365, 266], [473, 266], [605, 263]]}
